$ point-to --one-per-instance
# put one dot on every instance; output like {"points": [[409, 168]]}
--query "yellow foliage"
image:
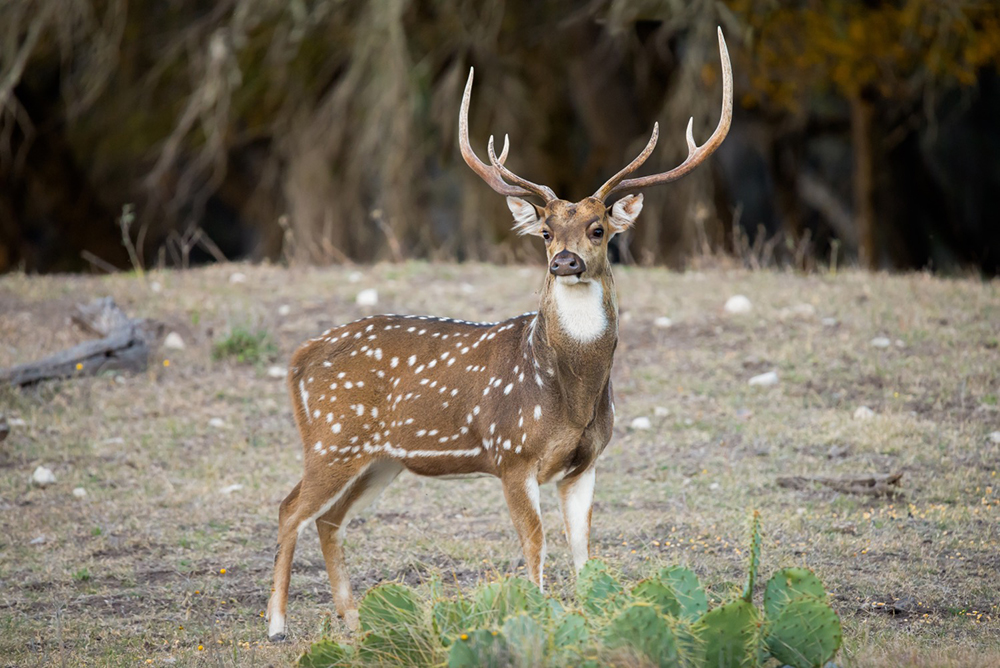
{"points": [[849, 47]]}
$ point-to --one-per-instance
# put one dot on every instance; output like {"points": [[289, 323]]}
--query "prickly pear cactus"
{"points": [[642, 628], [660, 595], [479, 649], [596, 589], [527, 639], [729, 635], [389, 605], [397, 647], [495, 602], [787, 584], [451, 618], [806, 633], [755, 541], [686, 588], [570, 631], [326, 654]]}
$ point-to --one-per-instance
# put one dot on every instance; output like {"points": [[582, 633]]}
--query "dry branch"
{"points": [[124, 347], [875, 484]]}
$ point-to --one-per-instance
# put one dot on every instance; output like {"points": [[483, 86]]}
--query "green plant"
{"points": [[246, 346], [82, 575], [663, 620]]}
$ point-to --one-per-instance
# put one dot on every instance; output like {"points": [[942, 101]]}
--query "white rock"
{"points": [[995, 437], [237, 277], [367, 297], [829, 322], [661, 411], [38, 540], [284, 310], [863, 413], [881, 342], [641, 423], [79, 492], [231, 488], [355, 276], [765, 379], [714, 486], [218, 423], [173, 341], [467, 288], [663, 322], [16, 422], [43, 476], [156, 287], [276, 371], [738, 304]]}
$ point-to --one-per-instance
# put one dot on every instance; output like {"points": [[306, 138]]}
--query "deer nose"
{"points": [[567, 264]]}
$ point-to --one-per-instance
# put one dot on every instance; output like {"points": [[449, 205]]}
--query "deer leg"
{"points": [[309, 499], [361, 494], [576, 498], [287, 537], [522, 501]]}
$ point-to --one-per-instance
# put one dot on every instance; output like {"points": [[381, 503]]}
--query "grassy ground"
{"points": [[131, 574]]}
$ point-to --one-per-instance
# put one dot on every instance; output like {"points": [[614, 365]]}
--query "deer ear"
{"points": [[527, 217], [624, 212]]}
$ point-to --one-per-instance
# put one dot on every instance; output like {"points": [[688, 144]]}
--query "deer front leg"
{"points": [[576, 498], [521, 493]]}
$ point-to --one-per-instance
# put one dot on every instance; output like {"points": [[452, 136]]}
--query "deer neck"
{"points": [[574, 341]]}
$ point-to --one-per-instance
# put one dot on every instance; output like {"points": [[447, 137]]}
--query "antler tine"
{"points": [[696, 154], [489, 174], [606, 189], [544, 192]]}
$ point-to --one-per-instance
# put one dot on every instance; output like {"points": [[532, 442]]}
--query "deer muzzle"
{"points": [[566, 263]]}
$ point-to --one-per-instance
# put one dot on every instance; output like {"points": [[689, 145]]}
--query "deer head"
{"points": [[576, 235]]}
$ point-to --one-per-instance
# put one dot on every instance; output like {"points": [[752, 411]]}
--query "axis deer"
{"points": [[528, 400]]}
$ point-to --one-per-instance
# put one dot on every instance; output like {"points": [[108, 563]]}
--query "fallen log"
{"points": [[124, 347], [875, 484]]}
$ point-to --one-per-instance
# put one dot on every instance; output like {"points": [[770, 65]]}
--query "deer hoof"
{"points": [[277, 637]]}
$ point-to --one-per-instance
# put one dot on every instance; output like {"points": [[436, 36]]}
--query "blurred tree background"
{"points": [[325, 130]]}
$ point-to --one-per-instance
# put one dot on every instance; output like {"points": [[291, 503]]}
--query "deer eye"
{"points": [[546, 235], [597, 232]]}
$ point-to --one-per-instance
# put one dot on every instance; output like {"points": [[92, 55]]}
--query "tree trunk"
{"points": [[862, 112]]}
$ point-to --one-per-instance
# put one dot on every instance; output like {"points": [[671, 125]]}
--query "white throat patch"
{"points": [[580, 307]]}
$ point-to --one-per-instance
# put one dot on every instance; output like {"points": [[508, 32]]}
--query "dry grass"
{"points": [[155, 530]]}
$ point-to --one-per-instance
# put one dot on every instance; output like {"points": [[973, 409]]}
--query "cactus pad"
{"points": [[641, 627], [596, 589], [787, 584], [479, 649], [389, 605], [660, 595], [729, 634], [806, 634], [686, 588]]}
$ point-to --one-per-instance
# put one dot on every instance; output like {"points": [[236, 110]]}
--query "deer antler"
{"points": [[696, 154], [494, 175]]}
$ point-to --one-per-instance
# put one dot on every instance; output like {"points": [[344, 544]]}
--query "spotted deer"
{"points": [[528, 400]]}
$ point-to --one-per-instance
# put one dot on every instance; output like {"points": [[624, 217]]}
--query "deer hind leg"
{"points": [[310, 498], [362, 493], [576, 498], [522, 501]]}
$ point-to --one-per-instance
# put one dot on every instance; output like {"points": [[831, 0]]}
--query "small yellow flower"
{"points": [[201, 647], [166, 362], [79, 366], [464, 636], [222, 571], [196, 591]]}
